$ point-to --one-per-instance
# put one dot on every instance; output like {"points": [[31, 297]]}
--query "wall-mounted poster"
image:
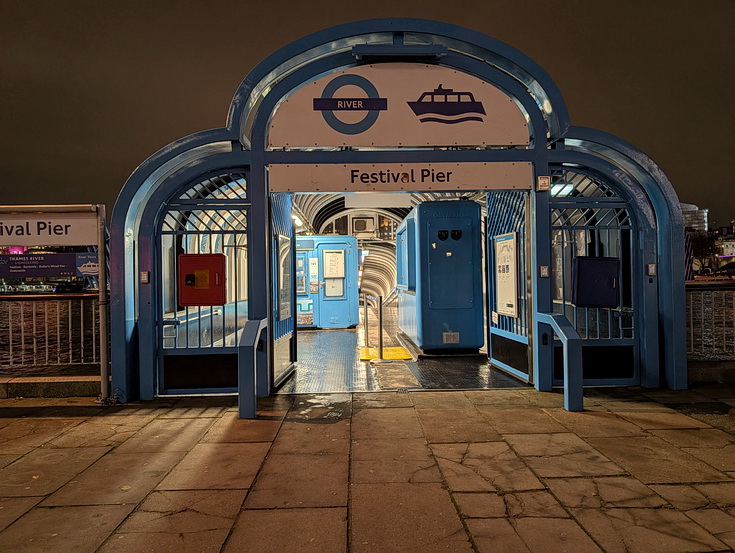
{"points": [[284, 277], [506, 275], [334, 263]]}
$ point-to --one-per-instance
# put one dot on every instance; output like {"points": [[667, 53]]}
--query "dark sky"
{"points": [[90, 89]]}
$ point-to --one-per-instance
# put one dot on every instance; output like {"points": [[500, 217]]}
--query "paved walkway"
{"points": [[490, 471]]}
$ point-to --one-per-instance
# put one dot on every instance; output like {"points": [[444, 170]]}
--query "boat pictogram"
{"points": [[444, 105]]}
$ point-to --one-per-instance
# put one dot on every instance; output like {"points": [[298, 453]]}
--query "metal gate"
{"points": [[590, 219], [197, 344]]}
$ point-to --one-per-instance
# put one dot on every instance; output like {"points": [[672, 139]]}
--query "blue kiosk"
{"points": [[326, 282], [439, 280], [397, 105]]}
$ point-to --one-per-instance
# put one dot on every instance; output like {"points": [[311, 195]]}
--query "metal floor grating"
{"points": [[329, 362]]}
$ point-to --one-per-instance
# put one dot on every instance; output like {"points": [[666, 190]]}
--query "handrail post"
{"points": [[572, 343], [249, 347], [365, 319], [380, 327]]}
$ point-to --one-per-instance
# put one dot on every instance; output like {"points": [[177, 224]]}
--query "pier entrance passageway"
{"points": [[412, 160]]}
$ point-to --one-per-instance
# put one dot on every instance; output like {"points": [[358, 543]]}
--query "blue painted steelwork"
{"points": [[572, 344], [443, 311], [242, 147], [507, 212], [252, 346], [324, 299]]}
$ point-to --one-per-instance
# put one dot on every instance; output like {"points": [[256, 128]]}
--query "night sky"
{"points": [[90, 89]]}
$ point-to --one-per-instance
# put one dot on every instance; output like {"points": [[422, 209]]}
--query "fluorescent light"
{"points": [[297, 221], [561, 189]]}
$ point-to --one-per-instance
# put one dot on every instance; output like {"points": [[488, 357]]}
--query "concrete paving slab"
{"points": [[109, 431], [561, 455], [654, 461], [197, 407], [408, 448], [486, 488], [318, 406], [456, 425], [6, 459], [117, 478], [380, 400], [231, 429], [303, 530], [604, 493], [60, 530], [402, 524], [495, 536], [671, 397], [546, 399], [300, 480], [722, 458], [717, 522], [217, 466], [681, 496], [204, 541], [646, 531], [540, 504], [440, 400], [658, 421], [319, 436], [480, 505], [511, 420], [498, 398], [43, 471], [24, 435], [490, 466], [544, 535], [388, 423], [595, 423], [394, 470], [178, 521], [711, 438], [636, 406], [167, 435], [721, 495], [12, 508]]}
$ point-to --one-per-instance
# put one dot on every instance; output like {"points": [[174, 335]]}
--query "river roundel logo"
{"points": [[372, 105]]}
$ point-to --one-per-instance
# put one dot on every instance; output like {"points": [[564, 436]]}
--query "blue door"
{"points": [[337, 304]]}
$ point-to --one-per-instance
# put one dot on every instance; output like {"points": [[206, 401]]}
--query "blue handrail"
{"points": [[573, 387]]}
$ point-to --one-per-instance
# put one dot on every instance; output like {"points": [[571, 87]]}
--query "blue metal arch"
{"points": [[341, 39], [629, 160], [147, 255], [642, 213], [258, 95]]}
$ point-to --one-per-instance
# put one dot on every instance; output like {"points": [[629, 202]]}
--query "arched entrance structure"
{"points": [[396, 105]]}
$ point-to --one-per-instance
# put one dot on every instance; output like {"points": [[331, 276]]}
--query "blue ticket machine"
{"points": [[439, 276], [326, 282]]}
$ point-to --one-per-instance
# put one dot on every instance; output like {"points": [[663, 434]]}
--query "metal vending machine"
{"points": [[439, 275], [326, 282]]}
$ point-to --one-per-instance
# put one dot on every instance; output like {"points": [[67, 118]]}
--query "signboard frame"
{"points": [[506, 274]]}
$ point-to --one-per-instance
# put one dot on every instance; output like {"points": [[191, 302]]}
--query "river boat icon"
{"points": [[89, 268], [444, 105]]}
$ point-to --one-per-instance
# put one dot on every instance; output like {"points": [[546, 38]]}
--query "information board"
{"points": [[506, 275]]}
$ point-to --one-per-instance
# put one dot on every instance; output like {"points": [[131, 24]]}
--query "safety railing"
{"points": [[572, 343], [379, 302], [710, 322], [49, 330]]}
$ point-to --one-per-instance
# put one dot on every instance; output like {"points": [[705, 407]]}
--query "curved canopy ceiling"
{"points": [[378, 277]]}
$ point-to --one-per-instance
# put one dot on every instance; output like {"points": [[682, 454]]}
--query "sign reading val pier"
{"points": [[48, 229], [398, 104]]}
